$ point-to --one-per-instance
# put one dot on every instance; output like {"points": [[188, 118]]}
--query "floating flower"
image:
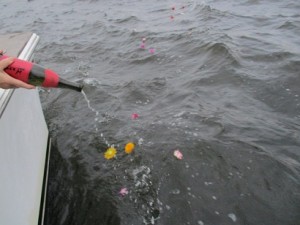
{"points": [[123, 192], [142, 46], [178, 154], [129, 147], [134, 116], [171, 17], [152, 50], [110, 153], [144, 40]]}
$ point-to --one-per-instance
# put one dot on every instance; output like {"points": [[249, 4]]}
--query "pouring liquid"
{"points": [[96, 118]]}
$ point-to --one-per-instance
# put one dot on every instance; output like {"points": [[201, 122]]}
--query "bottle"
{"points": [[37, 75]]}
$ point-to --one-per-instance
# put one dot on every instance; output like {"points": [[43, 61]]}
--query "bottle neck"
{"points": [[69, 84]]}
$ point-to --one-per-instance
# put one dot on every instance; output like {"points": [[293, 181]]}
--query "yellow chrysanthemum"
{"points": [[110, 153], [129, 147]]}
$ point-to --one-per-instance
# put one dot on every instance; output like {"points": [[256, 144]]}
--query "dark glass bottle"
{"points": [[37, 75]]}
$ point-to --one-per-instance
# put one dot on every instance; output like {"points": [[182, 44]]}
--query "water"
{"points": [[96, 120], [221, 84], [89, 104]]}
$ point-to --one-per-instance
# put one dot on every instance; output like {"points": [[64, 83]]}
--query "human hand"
{"points": [[7, 81]]}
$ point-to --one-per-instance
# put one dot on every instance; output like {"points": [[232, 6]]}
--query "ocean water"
{"points": [[218, 80]]}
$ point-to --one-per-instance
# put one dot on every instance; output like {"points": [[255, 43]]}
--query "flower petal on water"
{"points": [[134, 116], [129, 147], [123, 191], [142, 46], [178, 154], [110, 153], [152, 50]]}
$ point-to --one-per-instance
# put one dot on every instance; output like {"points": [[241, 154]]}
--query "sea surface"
{"points": [[217, 80]]}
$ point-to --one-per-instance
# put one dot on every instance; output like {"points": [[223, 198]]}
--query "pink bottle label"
{"points": [[19, 69], [51, 79]]}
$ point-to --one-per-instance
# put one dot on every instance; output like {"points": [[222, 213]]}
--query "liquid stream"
{"points": [[96, 118]]}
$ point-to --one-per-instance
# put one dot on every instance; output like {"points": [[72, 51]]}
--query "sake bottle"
{"points": [[37, 75]]}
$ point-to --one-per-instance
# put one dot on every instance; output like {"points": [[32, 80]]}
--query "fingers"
{"points": [[6, 62], [7, 81], [20, 84]]}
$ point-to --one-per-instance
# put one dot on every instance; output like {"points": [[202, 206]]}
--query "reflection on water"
{"points": [[217, 80]]}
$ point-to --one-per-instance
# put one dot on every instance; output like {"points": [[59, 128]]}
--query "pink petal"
{"points": [[178, 154], [142, 46], [152, 50], [134, 116], [123, 192]]}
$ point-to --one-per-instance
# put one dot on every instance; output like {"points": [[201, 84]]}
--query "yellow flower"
{"points": [[129, 147], [110, 153]]}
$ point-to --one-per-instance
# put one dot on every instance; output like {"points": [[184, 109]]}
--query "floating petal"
{"points": [[178, 154], [134, 116], [142, 46], [129, 147], [152, 50], [110, 153], [123, 192]]}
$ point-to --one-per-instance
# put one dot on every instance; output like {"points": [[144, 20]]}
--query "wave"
{"points": [[290, 25], [129, 19]]}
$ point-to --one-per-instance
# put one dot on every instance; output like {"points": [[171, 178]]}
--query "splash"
{"points": [[88, 103], [96, 117]]}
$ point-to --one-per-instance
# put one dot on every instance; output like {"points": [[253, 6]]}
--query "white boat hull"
{"points": [[24, 145]]}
